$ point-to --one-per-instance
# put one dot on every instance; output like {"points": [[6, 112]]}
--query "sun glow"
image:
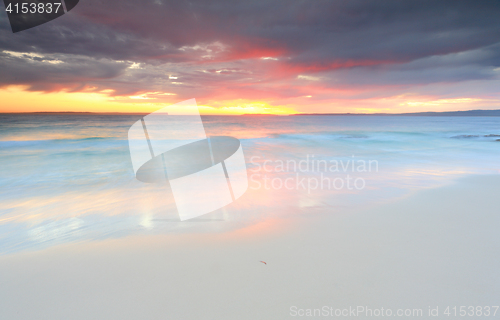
{"points": [[19, 99], [244, 107]]}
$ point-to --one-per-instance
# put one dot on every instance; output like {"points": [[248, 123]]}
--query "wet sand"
{"points": [[435, 248]]}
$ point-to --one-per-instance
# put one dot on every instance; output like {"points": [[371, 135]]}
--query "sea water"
{"points": [[68, 177]]}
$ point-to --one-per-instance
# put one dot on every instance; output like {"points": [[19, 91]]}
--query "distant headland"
{"points": [[469, 113]]}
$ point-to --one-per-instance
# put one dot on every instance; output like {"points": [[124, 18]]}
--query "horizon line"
{"points": [[496, 112]]}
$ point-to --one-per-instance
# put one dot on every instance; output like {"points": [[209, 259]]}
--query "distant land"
{"points": [[468, 113], [76, 113]]}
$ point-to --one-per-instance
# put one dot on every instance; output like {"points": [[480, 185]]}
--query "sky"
{"points": [[241, 57]]}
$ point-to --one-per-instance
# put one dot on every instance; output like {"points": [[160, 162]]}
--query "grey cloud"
{"points": [[50, 71], [307, 30], [478, 64], [403, 42]]}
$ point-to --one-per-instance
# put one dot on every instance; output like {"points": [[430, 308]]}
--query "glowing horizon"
{"points": [[17, 99]]}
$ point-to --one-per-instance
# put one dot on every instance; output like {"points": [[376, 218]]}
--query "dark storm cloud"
{"points": [[396, 40], [478, 64]]}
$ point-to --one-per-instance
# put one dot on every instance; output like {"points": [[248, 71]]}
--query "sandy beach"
{"points": [[436, 248], [260, 160]]}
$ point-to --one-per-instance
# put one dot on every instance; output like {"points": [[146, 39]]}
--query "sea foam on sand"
{"points": [[437, 248]]}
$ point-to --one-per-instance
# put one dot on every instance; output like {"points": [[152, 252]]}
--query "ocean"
{"points": [[68, 178]]}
